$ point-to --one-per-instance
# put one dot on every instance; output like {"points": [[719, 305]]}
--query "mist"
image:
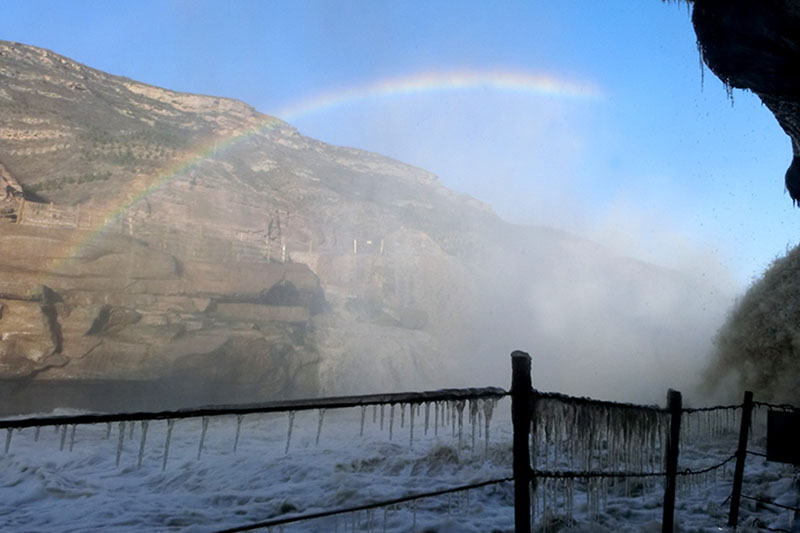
{"points": [[612, 294], [506, 221]]}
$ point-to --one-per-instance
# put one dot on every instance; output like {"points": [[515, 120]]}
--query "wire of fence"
{"points": [[689, 410], [759, 454], [764, 527], [573, 474], [767, 502], [576, 400], [365, 507]]}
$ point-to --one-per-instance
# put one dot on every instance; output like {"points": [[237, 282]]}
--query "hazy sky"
{"points": [[589, 116]]}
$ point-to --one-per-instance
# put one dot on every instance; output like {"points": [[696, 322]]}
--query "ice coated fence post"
{"points": [[521, 391], [741, 454], [674, 405]]}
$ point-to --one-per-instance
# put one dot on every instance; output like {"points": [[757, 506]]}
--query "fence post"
{"points": [[521, 391], [741, 453], [675, 406]]}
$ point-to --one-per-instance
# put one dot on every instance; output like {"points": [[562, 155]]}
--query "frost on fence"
{"points": [[420, 425], [467, 419], [592, 450], [597, 437], [584, 450], [703, 425], [467, 412]]}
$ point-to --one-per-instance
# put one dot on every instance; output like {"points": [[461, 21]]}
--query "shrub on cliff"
{"points": [[758, 347]]}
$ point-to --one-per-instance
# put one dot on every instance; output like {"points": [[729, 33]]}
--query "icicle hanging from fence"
{"points": [[411, 425], [170, 424], [202, 436], [427, 416], [460, 407], [687, 429], [63, 430], [289, 432], [448, 417], [319, 425], [473, 417], [120, 441], [363, 416], [36, 434], [596, 436], [402, 415], [391, 420], [72, 437], [488, 410], [9, 432], [238, 431], [145, 425]]}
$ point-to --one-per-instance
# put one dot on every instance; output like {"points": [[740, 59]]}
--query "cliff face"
{"points": [[756, 46], [168, 237], [181, 249]]}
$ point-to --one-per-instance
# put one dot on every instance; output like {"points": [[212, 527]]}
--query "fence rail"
{"points": [[414, 398]]}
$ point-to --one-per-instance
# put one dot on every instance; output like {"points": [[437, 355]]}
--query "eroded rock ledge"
{"points": [[102, 306], [756, 46]]}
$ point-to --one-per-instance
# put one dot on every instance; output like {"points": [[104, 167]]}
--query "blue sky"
{"points": [[660, 165]]}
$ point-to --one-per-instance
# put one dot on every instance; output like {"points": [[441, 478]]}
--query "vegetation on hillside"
{"points": [[758, 347]]}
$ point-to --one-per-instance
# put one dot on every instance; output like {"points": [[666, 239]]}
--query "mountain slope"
{"points": [[195, 244]]}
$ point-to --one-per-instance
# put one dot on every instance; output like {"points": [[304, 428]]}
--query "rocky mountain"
{"points": [[160, 249]]}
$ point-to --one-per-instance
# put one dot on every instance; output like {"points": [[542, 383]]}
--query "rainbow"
{"points": [[430, 83], [141, 186], [415, 84]]}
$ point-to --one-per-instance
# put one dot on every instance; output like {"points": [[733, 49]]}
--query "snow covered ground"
{"points": [[81, 488]]}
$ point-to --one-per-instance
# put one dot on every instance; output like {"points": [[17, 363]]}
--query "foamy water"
{"points": [[46, 488]]}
